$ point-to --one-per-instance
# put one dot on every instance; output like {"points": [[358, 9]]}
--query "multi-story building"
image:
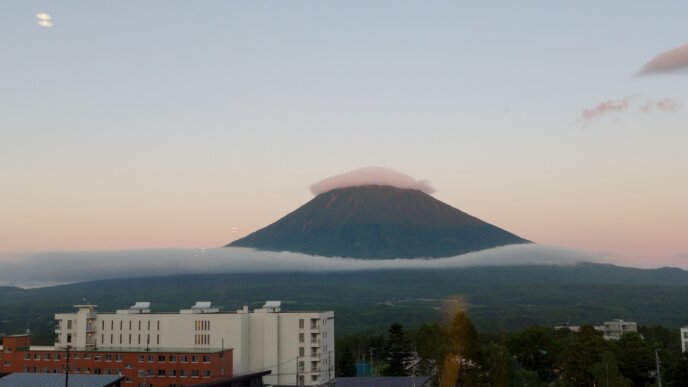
{"points": [[296, 347], [611, 330], [684, 339]]}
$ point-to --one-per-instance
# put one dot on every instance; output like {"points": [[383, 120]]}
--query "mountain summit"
{"points": [[378, 222]]}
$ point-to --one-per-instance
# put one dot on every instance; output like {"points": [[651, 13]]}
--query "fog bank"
{"points": [[44, 269]]}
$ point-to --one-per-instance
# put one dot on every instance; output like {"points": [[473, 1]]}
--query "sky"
{"points": [[177, 124]]}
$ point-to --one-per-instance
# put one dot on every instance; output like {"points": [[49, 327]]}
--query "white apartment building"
{"points": [[297, 347], [612, 330], [684, 339]]}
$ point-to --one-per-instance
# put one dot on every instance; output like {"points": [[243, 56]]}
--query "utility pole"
{"points": [[67, 366], [659, 372], [372, 369]]}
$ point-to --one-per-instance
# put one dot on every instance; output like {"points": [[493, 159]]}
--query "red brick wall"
{"points": [[167, 363]]}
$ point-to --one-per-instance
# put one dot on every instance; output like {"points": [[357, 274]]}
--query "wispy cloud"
{"points": [[670, 61], [43, 269], [371, 176], [603, 108], [662, 105], [618, 106]]}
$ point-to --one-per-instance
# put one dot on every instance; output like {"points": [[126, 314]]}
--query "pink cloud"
{"points": [[604, 108], [667, 62], [371, 176], [662, 105]]}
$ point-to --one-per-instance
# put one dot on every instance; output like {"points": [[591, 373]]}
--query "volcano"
{"points": [[378, 222]]}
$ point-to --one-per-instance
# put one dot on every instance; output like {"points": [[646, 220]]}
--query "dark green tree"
{"points": [[345, 363], [432, 345], [397, 351], [580, 352], [636, 359], [607, 373], [465, 346], [536, 349]]}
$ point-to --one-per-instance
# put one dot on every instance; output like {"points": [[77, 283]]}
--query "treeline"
{"points": [[457, 355]]}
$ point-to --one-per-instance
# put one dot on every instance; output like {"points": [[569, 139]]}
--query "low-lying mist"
{"points": [[52, 268]]}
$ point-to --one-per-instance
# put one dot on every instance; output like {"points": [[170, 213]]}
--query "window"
{"points": [[27, 356], [149, 325], [129, 324], [158, 324], [139, 339], [182, 373], [47, 356], [57, 356], [206, 359], [112, 325], [120, 338], [206, 373], [69, 324], [36, 356], [140, 358], [102, 328], [118, 357], [301, 337], [139, 324], [173, 358], [121, 324], [130, 338], [173, 372], [194, 358], [301, 351], [151, 358], [195, 373], [314, 378], [301, 323], [69, 337], [157, 339], [161, 358], [108, 357], [110, 338], [184, 358], [161, 372]]}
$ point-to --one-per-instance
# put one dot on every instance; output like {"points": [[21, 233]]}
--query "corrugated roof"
{"points": [[381, 381], [57, 380]]}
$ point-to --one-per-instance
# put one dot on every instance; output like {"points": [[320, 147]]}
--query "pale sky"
{"points": [[164, 124]]}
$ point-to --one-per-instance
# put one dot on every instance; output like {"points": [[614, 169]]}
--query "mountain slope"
{"points": [[378, 222]]}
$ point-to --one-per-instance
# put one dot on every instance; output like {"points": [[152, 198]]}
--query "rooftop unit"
{"points": [[140, 307], [272, 306], [204, 307]]}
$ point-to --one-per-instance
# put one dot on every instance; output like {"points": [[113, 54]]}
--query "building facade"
{"points": [[611, 330], [159, 367], [684, 339], [297, 347]]}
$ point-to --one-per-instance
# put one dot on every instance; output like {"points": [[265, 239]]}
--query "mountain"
{"points": [[378, 222]]}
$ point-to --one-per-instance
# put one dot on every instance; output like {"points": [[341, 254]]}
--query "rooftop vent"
{"points": [[140, 307], [273, 306], [204, 307]]}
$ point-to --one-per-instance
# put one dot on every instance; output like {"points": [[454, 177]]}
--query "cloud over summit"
{"points": [[371, 176]]}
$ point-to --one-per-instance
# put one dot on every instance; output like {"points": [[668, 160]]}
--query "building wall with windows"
{"points": [[684, 339], [158, 368], [297, 347]]}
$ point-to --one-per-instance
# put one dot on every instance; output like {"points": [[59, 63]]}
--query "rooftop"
{"points": [[52, 380]]}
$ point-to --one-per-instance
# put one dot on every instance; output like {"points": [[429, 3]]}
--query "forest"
{"points": [[457, 354]]}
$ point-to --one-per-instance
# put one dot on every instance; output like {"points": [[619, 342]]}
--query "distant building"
{"points": [[612, 330], [684, 339], [192, 346]]}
